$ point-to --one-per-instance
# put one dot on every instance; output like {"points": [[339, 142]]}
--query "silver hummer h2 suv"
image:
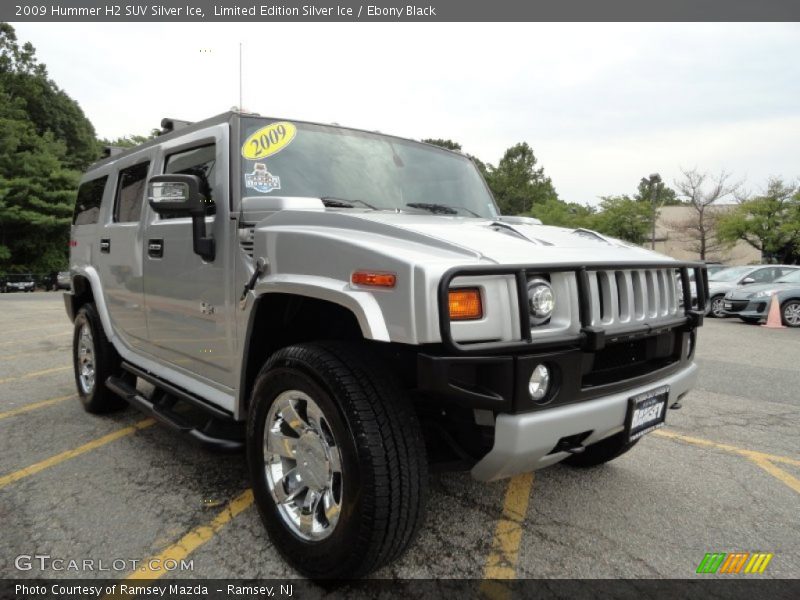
{"points": [[351, 309]]}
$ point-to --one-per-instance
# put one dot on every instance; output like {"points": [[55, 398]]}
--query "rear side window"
{"points": [[130, 193], [200, 161], [87, 206]]}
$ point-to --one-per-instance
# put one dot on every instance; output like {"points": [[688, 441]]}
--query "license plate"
{"points": [[646, 412]]}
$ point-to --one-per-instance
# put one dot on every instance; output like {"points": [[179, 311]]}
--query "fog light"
{"points": [[539, 383]]}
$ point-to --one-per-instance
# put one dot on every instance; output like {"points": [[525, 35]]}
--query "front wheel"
{"points": [[791, 313], [601, 452], [336, 459], [94, 359], [716, 307]]}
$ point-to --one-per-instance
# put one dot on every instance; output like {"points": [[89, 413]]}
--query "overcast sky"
{"points": [[602, 105]]}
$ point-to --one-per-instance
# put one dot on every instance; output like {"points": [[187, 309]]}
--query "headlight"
{"points": [[764, 293], [541, 300]]}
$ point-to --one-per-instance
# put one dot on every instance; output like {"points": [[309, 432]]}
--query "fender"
{"points": [[90, 273], [362, 304]]}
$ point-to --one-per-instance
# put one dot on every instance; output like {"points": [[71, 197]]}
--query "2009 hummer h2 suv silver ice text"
{"points": [[351, 308]]}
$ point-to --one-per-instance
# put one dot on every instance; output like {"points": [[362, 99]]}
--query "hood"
{"points": [[748, 291], [497, 241], [718, 287]]}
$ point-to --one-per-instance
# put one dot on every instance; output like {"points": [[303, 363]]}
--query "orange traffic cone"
{"points": [[774, 316]]}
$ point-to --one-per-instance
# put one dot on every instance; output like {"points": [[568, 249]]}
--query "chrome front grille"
{"points": [[624, 297]]}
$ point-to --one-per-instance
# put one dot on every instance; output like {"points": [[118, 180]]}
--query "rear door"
{"points": [[118, 252], [189, 300]]}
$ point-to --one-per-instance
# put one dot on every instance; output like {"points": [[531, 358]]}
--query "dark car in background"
{"points": [[751, 303], [17, 282]]}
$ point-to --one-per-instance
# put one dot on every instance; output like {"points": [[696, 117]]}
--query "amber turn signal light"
{"points": [[465, 304], [387, 280]]}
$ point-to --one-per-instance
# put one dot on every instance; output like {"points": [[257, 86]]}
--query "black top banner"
{"points": [[408, 11]]}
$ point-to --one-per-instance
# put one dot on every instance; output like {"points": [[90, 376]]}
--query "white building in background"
{"points": [[674, 240]]}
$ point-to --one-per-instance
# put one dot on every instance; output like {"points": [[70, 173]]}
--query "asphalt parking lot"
{"points": [[723, 476]]}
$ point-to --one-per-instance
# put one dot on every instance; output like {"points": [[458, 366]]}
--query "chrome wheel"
{"points": [[303, 466], [716, 307], [791, 314], [86, 368]]}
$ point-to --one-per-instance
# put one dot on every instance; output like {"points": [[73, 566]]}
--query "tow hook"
{"points": [[566, 445]]}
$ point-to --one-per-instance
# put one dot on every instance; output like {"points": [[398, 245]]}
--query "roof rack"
{"points": [[169, 125], [111, 151]]}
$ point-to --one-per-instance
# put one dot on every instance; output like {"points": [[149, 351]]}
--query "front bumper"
{"points": [[524, 442], [753, 309]]}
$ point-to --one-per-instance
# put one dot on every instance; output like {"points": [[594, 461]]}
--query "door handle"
{"points": [[105, 246], [155, 248]]}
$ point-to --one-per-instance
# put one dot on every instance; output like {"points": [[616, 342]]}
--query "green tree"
{"points": [[564, 214], [44, 139], [36, 193], [770, 222], [129, 141], [449, 144], [47, 106], [518, 184], [623, 217], [664, 195]]}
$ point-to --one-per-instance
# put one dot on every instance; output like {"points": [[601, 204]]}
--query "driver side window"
{"points": [[200, 161], [762, 275]]}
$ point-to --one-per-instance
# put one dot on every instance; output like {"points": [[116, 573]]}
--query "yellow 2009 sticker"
{"points": [[269, 140]]}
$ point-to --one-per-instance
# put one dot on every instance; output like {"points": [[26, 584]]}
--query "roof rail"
{"points": [[111, 151], [169, 125]]}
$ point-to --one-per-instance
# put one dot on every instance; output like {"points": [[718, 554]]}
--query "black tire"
{"points": [[716, 312], [383, 464], [601, 452], [794, 304], [99, 399]]}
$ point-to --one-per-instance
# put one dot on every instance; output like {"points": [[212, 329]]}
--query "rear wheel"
{"points": [[716, 307], [94, 359], [336, 460], [791, 313], [601, 452]]}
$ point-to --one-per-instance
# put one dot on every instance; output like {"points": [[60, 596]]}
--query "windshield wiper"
{"points": [[441, 209], [334, 202]]}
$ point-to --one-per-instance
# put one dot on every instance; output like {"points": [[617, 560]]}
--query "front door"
{"points": [[188, 300]]}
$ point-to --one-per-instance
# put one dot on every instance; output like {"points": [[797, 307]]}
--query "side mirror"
{"points": [[179, 195], [747, 280]]}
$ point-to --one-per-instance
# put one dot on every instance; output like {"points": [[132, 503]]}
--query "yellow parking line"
{"points": [[790, 480], [34, 328], [35, 374], [502, 562], [751, 454], [64, 456], [17, 342], [34, 406], [152, 568], [33, 352]]}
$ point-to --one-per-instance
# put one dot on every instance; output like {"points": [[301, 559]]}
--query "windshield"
{"points": [[20, 277], [357, 169], [730, 274], [793, 277]]}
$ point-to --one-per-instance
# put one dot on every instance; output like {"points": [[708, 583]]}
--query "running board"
{"points": [[162, 413]]}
